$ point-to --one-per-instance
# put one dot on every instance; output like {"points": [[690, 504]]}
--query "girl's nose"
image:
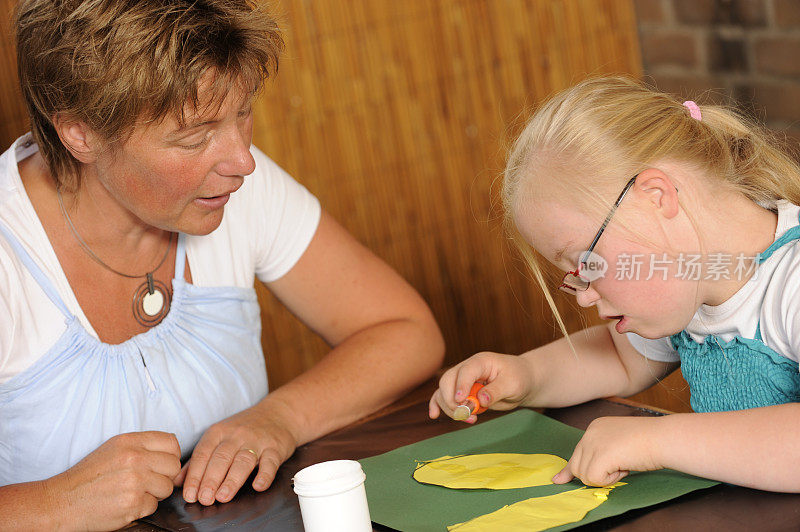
{"points": [[588, 297]]}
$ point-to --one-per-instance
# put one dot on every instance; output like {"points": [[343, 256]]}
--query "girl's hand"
{"points": [[507, 378], [611, 447], [119, 482], [230, 450]]}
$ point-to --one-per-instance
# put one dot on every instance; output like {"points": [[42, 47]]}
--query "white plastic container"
{"points": [[332, 497]]}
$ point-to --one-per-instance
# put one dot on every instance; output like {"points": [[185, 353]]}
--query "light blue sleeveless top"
{"points": [[740, 374], [201, 364]]}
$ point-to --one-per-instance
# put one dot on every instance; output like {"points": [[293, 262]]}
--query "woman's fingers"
{"points": [[216, 470], [244, 461], [268, 465], [196, 467], [178, 480]]}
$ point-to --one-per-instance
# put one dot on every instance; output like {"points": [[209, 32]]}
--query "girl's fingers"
{"points": [[563, 476], [433, 406], [444, 394], [469, 373], [568, 473]]}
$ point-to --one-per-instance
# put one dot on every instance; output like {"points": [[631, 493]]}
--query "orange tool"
{"points": [[471, 405]]}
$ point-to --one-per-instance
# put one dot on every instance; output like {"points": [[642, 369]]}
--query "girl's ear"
{"points": [[658, 189], [77, 137]]}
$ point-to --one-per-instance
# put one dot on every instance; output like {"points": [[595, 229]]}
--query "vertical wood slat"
{"points": [[13, 117]]}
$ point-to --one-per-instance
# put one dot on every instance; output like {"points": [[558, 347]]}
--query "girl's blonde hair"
{"points": [[113, 63], [610, 128]]}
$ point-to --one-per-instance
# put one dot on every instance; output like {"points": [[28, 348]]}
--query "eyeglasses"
{"points": [[572, 281]]}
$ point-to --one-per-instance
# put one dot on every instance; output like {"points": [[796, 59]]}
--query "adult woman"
{"points": [[121, 219]]}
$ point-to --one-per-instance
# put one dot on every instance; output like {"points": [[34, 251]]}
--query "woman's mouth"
{"points": [[214, 202]]}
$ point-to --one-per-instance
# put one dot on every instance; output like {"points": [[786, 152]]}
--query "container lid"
{"points": [[328, 478]]}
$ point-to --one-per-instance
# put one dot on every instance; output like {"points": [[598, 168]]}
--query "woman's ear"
{"points": [[655, 187], [77, 137]]}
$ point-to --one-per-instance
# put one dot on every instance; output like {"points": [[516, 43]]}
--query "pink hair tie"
{"points": [[694, 111]]}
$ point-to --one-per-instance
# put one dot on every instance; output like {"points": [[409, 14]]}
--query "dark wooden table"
{"points": [[723, 507]]}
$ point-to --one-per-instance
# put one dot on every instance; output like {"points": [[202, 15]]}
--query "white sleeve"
{"points": [[659, 349], [6, 315], [780, 327], [285, 216]]}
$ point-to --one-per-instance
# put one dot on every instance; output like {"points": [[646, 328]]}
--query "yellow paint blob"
{"points": [[498, 471], [539, 513]]}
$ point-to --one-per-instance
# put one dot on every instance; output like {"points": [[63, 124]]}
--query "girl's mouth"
{"points": [[621, 324]]}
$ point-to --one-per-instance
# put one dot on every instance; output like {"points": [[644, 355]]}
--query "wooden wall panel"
{"points": [[397, 115], [13, 117]]}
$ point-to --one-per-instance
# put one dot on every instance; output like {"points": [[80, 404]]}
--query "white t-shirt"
{"points": [[771, 296], [267, 225]]}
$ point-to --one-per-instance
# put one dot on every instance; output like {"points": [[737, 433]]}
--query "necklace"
{"points": [[151, 298]]}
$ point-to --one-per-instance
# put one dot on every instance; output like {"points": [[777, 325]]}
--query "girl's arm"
{"points": [[757, 448], [604, 364]]}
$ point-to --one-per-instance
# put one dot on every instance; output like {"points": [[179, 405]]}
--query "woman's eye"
{"points": [[195, 145]]}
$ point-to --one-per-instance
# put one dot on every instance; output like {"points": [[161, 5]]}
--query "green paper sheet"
{"points": [[396, 500]]}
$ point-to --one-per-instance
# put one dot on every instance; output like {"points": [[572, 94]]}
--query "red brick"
{"points": [[696, 11], [748, 13], [778, 55], [787, 13], [705, 89], [726, 55], [668, 48], [788, 138], [650, 11], [773, 102]]}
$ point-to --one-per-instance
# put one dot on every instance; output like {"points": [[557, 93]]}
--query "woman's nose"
{"points": [[236, 158], [588, 297]]}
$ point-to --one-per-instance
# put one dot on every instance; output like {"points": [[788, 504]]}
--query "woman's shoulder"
{"points": [[19, 150]]}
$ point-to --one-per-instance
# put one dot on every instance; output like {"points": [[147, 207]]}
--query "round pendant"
{"points": [[152, 303], [149, 309]]}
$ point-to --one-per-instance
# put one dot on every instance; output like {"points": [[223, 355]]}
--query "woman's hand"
{"points": [[230, 450], [507, 378], [611, 447], [119, 482]]}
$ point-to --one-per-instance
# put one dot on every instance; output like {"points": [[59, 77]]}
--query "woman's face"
{"points": [[641, 289], [179, 178]]}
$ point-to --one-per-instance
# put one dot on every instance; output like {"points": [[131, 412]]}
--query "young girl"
{"points": [[693, 214]]}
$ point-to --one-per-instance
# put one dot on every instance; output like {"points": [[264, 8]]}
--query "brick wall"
{"points": [[740, 52]]}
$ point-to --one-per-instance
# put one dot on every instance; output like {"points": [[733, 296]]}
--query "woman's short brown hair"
{"points": [[113, 63]]}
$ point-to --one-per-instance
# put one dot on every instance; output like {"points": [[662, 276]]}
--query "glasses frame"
{"points": [[572, 281]]}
